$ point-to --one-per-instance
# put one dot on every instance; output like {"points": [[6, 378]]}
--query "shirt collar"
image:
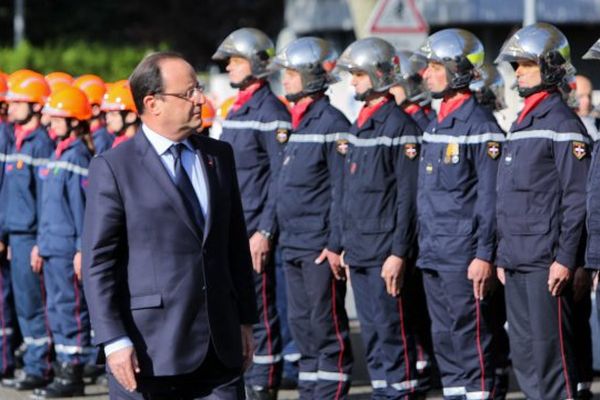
{"points": [[160, 143]]}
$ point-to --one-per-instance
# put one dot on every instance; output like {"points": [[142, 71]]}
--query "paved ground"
{"points": [[357, 393]]}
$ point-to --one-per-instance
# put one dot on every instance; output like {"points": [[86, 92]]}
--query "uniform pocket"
{"points": [[147, 301]]}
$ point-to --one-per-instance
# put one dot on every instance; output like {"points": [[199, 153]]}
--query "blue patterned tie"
{"points": [[183, 183]]}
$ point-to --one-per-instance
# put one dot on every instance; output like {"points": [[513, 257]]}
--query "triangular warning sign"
{"points": [[396, 16]]}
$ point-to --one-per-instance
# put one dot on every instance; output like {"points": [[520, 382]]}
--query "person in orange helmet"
{"points": [[121, 115], [21, 194], [57, 249], [95, 89], [208, 117]]}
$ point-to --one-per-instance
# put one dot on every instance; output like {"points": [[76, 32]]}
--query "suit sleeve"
{"points": [[486, 169], [406, 169], [102, 234], [592, 254], [274, 149], [240, 262], [572, 174], [76, 196], [335, 167]]}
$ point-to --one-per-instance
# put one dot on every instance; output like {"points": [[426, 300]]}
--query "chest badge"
{"points": [[410, 151], [282, 135], [429, 168], [20, 164], [452, 154], [493, 150], [579, 150], [341, 145]]}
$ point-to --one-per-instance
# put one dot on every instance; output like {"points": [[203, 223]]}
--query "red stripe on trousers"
{"points": [[338, 334], [46, 324], [404, 341], [479, 350], [267, 327], [77, 314], [562, 348]]}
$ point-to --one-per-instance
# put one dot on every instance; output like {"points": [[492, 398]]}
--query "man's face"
{"points": [[18, 111], [114, 121], [361, 82], [180, 113], [435, 77], [238, 69], [584, 95], [292, 81], [59, 126], [528, 74]]}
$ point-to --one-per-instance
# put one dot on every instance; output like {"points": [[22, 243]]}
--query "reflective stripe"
{"points": [[308, 376], [333, 376], [317, 138], [463, 139], [67, 166], [354, 140], [478, 395], [379, 384], [293, 357], [548, 134], [6, 332], [37, 342], [27, 159], [405, 385], [256, 125], [454, 391], [422, 364], [64, 349], [584, 386], [256, 359]]}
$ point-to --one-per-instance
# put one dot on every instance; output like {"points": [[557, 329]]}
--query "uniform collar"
{"points": [[462, 113], [255, 100], [539, 111], [315, 109], [64, 145], [379, 115]]}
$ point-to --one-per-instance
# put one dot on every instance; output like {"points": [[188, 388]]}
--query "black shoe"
{"points": [[92, 372], [254, 393], [29, 382], [68, 382], [584, 394], [288, 383]]}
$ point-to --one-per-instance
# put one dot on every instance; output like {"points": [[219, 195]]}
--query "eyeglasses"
{"points": [[189, 95]]}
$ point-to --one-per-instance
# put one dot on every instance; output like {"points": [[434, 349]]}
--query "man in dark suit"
{"points": [[166, 263]]}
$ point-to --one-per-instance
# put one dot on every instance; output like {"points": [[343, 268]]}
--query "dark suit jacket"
{"points": [[149, 275]]}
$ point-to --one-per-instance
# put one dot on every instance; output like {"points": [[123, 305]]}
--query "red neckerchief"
{"points": [[96, 126], [412, 109], [531, 102], [21, 134], [449, 106], [367, 111], [119, 140], [245, 95], [52, 134], [63, 145], [427, 109], [299, 109]]}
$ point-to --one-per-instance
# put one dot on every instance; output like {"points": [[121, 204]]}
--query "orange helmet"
{"points": [[93, 86], [225, 107], [119, 98], [3, 86], [58, 78], [18, 75], [28, 86], [208, 114], [69, 102]]}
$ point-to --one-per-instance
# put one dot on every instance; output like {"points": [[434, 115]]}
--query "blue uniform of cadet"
{"points": [[21, 210], [103, 140], [456, 197], [309, 185], [541, 215], [59, 233], [7, 319], [378, 220], [257, 132]]}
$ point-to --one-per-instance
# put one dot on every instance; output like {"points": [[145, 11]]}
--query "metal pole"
{"points": [[19, 22], [529, 16]]}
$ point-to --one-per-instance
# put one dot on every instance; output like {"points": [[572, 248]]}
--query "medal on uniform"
{"points": [[452, 154], [341, 145], [493, 150], [429, 168], [410, 150], [282, 135], [579, 150], [20, 164]]}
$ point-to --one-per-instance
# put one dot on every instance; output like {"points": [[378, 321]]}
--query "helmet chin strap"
{"points": [[244, 83], [526, 92], [295, 97], [30, 115], [367, 95]]}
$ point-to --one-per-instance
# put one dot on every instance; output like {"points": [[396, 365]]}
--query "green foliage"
{"points": [[110, 62]]}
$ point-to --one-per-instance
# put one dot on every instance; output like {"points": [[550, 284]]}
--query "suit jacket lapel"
{"points": [[153, 165], [208, 163]]}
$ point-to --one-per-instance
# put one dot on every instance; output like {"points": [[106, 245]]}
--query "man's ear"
{"points": [[152, 104]]}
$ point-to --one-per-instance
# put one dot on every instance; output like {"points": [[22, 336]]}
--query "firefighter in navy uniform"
{"points": [[309, 186], [32, 147], [489, 92], [459, 159], [257, 126], [378, 217], [541, 214], [409, 91]]}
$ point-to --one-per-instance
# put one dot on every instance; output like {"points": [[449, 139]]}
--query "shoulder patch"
{"points": [[493, 150], [579, 150]]}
